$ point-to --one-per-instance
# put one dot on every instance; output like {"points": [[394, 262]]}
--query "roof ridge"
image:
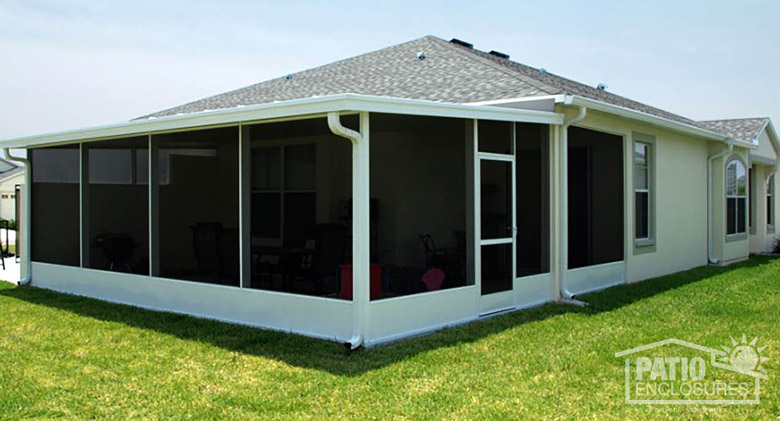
{"points": [[464, 51], [524, 67]]}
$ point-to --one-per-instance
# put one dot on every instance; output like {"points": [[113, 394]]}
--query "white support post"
{"points": [[477, 221], [361, 228], [244, 200], [513, 210], [154, 206], [83, 205], [563, 202], [555, 214], [472, 242]]}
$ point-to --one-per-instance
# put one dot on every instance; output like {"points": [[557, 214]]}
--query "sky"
{"points": [[67, 64]]}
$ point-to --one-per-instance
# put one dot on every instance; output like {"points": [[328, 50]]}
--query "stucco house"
{"points": [[390, 194], [11, 176]]}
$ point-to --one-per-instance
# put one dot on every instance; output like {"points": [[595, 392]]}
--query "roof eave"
{"points": [[280, 110], [648, 118]]}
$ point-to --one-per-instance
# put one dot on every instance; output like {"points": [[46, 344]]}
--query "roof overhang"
{"points": [[547, 102], [649, 119], [769, 128], [284, 110]]}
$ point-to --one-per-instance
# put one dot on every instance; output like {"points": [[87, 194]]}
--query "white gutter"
{"points": [[730, 147], [25, 227], [309, 107], [564, 294], [361, 238]]}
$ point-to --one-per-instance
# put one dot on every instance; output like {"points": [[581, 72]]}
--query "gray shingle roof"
{"points": [[449, 73], [741, 129]]}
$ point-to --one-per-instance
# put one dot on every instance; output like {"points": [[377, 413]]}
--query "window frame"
{"points": [[736, 235], [283, 190], [644, 244], [770, 203]]}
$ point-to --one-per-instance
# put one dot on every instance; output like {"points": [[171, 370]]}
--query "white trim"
{"points": [[490, 156], [284, 109], [515, 100], [322, 318], [496, 241], [596, 277]]}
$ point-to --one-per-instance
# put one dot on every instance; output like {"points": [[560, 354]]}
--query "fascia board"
{"points": [[285, 109]]}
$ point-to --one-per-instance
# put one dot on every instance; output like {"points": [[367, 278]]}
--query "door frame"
{"points": [[498, 301]]}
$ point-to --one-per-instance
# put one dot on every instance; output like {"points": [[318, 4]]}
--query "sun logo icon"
{"points": [[743, 356]]}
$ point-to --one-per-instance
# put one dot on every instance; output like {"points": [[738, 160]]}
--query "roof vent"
{"points": [[287, 77], [462, 43], [543, 71], [602, 87], [499, 54], [421, 56]]}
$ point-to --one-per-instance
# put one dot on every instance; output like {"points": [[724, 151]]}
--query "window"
{"points": [[110, 166], [641, 191], [770, 201], [752, 200], [736, 197], [283, 192], [5, 196]]}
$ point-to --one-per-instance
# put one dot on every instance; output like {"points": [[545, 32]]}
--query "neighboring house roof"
{"points": [[740, 129], [6, 166], [16, 171], [450, 72]]}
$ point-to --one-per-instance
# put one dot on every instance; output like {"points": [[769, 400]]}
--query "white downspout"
{"points": [[361, 258], [564, 294], [730, 147], [25, 228]]}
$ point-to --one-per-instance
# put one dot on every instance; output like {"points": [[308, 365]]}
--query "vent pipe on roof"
{"points": [[462, 43], [602, 86], [499, 54]]}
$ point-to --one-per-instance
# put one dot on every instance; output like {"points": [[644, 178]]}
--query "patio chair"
{"points": [[323, 264], [207, 245], [118, 248]]}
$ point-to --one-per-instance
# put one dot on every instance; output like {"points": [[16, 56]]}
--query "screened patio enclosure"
{"points": [[373, 224]]}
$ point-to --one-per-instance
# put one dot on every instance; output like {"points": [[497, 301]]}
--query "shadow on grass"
{"points": [[333, 358]]}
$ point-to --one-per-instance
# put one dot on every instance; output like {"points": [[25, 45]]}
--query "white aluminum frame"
{"points": [[503, 300], [319, 317]]}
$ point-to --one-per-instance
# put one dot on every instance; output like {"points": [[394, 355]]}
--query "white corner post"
{"points": [[154, 206], [562, 292], [361, 237], [473, 268], [244, 199], [555, 224], [84, 238], [26, 210]]}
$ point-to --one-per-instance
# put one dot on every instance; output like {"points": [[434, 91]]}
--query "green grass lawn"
{"points": [[63, 356]]}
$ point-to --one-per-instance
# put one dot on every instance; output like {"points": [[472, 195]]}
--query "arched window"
{"points": [[736, 193]]}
